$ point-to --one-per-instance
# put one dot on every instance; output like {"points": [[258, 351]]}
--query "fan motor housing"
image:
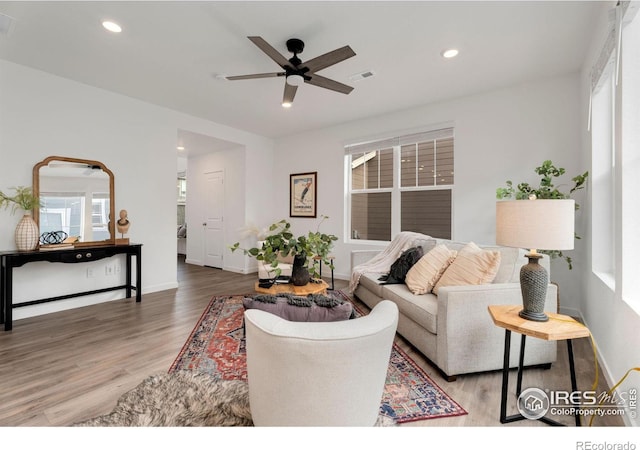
{"points": [[295, 46]]}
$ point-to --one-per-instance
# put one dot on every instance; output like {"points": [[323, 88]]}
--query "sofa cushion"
{"points": [[422, 309], [473, 265], [370, 281], [511, 260], [427, 271]]}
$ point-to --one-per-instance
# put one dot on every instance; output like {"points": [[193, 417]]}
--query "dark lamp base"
{"points": [[533, 283], [535, 316]]}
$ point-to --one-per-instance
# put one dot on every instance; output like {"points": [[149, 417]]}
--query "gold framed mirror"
{"points": [[77, 197]]}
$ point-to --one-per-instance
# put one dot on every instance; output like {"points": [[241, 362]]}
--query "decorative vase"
{"points": [[299, 273], [27, 233]]}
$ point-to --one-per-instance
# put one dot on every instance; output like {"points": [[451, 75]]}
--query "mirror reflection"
{"points": [[76, 197]]}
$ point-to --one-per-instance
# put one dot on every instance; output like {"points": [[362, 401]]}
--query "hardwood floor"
{"points": [[61, 368]]}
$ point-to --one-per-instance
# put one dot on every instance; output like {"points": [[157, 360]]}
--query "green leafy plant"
{"points": [[23, 199], [547, 189], [280, 242]]}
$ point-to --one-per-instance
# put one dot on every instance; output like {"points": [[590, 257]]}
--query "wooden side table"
{"points": [[309, 288], [558, 327]]}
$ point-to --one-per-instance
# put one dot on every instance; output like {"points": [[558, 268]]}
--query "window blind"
{"points": [[609, 59], [413, 138], [623, 14]]}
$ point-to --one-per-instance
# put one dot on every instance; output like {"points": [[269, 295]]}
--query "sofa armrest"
{"points": [[465, 329], [362, 256]]}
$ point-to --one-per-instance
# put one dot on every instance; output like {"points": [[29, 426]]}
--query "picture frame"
{"points": [[303, 194]]}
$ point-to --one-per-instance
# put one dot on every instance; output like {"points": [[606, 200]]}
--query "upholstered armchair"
{"points": [[317, 373]]}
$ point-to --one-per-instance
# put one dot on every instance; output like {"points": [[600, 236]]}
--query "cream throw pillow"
{"points": [[472, 266], [424, 274]]}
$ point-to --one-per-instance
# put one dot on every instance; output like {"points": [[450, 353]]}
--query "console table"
{"points": [[11, 259]]}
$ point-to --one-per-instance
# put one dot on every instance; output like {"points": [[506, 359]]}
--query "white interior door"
{"points": [[213, 223]]}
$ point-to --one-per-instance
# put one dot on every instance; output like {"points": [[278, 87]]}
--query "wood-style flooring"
{"points": [[65, 367]]}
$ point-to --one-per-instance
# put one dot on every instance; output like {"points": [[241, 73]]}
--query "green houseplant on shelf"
{"points": [[26, 234], [307, 249], [546, 190]]}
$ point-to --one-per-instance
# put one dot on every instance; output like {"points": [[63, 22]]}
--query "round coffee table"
{"points": [[309, 288]]}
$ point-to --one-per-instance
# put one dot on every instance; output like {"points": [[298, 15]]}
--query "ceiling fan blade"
{"points": [[329, 59], [256, 75], [327, 83], [289, 93], [270, 51]]}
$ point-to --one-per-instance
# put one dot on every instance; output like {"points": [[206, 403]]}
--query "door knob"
{"points": [[204, 224]]}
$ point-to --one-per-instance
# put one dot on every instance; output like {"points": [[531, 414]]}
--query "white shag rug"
{"points": [[184, 399]]}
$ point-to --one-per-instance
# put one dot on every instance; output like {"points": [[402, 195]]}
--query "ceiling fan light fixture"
{"points": [[287, 104], [295, 80]]}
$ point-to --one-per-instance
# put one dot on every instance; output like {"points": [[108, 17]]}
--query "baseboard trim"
{"points": [[160, 287]]}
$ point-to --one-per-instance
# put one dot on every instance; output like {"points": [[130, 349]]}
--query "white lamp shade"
{"points": [[536, 224]]}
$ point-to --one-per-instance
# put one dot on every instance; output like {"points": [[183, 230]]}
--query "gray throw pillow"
{"points": [[299, 312]]}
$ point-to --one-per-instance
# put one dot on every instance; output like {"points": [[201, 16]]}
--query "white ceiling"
{"points": [[169, 53]]}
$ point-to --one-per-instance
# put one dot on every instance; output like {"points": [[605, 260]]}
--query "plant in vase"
{"points": [[26, 234], [546, 190], [307, 250]]}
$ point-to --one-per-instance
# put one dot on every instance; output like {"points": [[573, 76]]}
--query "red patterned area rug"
{"points": [[217, 346]]}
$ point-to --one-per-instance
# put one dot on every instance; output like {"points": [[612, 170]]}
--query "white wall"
{"points": [[612, 322], [43, 115], [501, 135]]}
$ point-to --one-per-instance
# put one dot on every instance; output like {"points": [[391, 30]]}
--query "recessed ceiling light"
{"points": [[180, 147], [450, 53], [112, 26]]}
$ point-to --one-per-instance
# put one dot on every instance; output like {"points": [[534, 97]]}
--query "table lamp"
{"points": [[535, 224]]}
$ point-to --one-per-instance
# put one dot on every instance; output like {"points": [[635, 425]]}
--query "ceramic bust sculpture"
{"points": [[123, 222]]}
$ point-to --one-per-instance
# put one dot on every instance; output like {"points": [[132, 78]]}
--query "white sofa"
{"points": [[454, 329]]}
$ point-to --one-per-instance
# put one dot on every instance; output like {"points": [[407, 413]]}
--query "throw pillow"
{"points": [[472, 266], [424, 274], [301, 309], [400, 267]]}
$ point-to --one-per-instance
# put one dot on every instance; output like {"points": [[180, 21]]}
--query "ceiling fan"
{"points": [[297, 72]]}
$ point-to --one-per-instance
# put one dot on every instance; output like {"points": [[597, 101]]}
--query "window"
{"points": [[100, 208], [400, 184], [615, 139], [602, 172], [630, 161], [62, 212]]}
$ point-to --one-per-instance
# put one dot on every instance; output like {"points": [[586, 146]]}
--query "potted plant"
{"points": [[546, 190], [307, 249], [26, 234]]}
